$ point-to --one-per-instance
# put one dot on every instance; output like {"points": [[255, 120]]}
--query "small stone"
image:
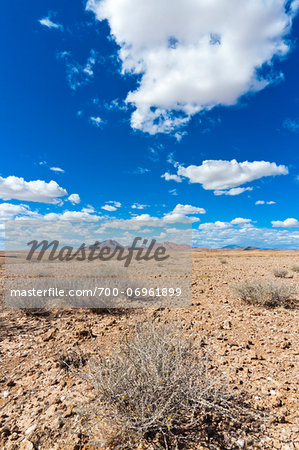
{"points": [[26, 445], [5, 394], [30, 429], [241, 443]]}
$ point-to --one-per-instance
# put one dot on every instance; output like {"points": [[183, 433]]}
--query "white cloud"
{"points": [[193, 55], [109, 208], [47, 22], [173, 192], [171, 177], [240, 221], [262, 202], [182, 213], [225, 177], [96, 121], [288, 223], [141, 171], [291, 125], [138, 206], [82, 215], [34, 191], [8, 211], [233, 191], [57, 169], [74, 199], [78, 75], [220, 234]]}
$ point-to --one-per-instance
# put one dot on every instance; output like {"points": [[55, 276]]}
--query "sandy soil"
{"points": [[257, 348]]}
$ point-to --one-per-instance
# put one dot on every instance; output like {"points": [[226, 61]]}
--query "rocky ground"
{"points": [[256, 348]]}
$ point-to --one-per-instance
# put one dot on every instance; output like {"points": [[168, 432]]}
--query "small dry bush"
{"points": [[265, 293], [295, 268], [280, 273], [71, 359], [223, 261], [156, 388]]}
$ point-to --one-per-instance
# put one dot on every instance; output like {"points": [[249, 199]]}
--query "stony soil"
{"points": [[257, 348]]}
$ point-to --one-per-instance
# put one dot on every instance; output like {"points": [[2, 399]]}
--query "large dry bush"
{"points": [[265, 293], [157, 387]]}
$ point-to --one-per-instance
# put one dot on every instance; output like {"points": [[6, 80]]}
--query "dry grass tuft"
{"points": [[155, 387], [223, 260], [265, 293], [295, 268], [280, 273]]}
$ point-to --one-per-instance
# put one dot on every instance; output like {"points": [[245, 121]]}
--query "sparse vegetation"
{"points": [[280, 273], [223, 260], [265, 293], [71, 359], [156, 387], [295, 268]]}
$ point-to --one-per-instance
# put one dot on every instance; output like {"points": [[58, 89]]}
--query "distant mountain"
{"points": [[109, 243], [231, 246], [172, 247], [237, 247]]}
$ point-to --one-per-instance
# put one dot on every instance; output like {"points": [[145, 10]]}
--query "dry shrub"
{"points": [[156, 388], [295, 268], [71, 359], [223, 261], [280, 273], [265, 293]]}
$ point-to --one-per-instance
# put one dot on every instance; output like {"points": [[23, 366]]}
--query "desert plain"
{"points": [[256, 349]]}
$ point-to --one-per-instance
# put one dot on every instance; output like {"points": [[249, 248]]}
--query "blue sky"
{"points": [[141, 108]]}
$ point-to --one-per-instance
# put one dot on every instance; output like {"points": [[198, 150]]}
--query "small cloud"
{"points": [[109, 208], [291, 124], [96, 121], [47, 22], [233, 191], [42, 163], [57, 169], [77, 74], [173, 192], [262, 202], [116, 204], [171, 177], [240, 221], [141, 171], [116, 105], [88, 209], [74, 199], [138, 206]]}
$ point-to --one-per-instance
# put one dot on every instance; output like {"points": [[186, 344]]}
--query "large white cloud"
{"points": [[288, 223], [192, 55], [224, 177], [33, 191]]}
